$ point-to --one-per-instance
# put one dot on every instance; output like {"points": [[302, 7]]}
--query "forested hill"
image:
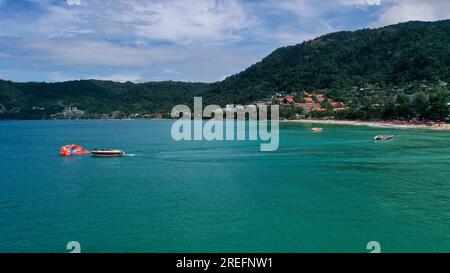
{"points": [[41, 100], [396, 55], [393, 55]]}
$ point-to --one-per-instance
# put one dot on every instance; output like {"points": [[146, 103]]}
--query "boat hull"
{"points": [[383, 137], [107, 153], [316, 130]]}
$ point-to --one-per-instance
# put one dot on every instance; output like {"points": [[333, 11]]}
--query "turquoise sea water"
{"points": [[320, 192]]}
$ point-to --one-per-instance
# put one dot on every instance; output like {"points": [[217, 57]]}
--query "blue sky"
{"points": [[187, 40]]}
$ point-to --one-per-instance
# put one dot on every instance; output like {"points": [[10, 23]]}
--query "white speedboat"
{"points": [[107, 153], [316, 130], [383, 137]]}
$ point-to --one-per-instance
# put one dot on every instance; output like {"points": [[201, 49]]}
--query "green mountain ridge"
{"points": [[395, 57]]}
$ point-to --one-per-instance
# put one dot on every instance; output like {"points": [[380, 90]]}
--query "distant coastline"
{"points": [[381, 124]]}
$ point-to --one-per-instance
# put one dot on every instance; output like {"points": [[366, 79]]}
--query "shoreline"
{"points": [[380, 124]]}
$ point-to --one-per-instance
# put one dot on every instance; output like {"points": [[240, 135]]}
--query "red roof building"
{"points": [[307, 107], [288, 99], [318, 109], [337, 104]]}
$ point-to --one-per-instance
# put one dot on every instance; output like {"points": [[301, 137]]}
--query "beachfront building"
{"points": [[307, 107], [311, 96], [69, 113], [308, 100], [72, 112], [288, 100]]}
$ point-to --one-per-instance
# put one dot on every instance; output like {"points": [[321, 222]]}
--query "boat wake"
{"points": [[131, 155]]}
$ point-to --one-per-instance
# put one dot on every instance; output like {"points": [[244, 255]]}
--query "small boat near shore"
{"points": [[383, 137], [316, 130], [107, 153]]}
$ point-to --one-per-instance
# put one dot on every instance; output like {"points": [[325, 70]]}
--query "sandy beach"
{"points": [[443, 127]]}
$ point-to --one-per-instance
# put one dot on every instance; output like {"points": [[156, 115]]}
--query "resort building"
{"points": [[307, 107], [319, 97], [337, 104], [311, 102], [69, 113], [288, 100]]}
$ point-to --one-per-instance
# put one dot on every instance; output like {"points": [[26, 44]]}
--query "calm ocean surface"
{"points": [[326, 192]]}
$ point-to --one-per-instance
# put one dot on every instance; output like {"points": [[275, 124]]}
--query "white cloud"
{"points": [[303, 8], [99, 53], [73, 2], [171, 71], [177, 21], [195, 40], [188, 21], [117, 77], [362, 2], [397, 11], [87, 59], [59, 76], [386, 12]]}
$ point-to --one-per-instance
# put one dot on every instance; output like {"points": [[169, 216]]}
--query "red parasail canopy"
{"points": [[73, 149]]}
